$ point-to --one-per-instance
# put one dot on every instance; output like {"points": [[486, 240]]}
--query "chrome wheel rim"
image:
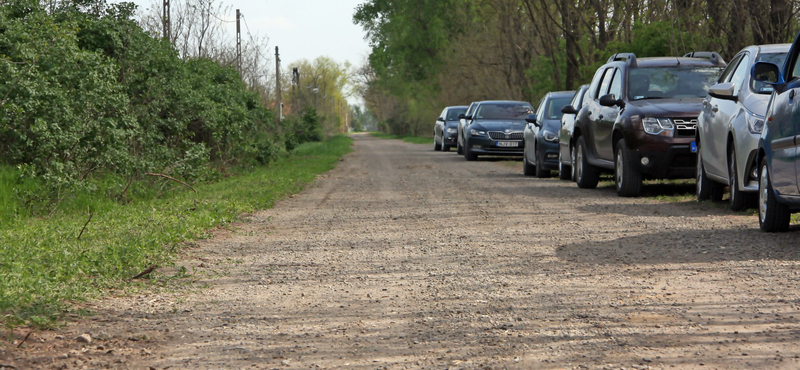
{"points": [[579, 159], [619, 169], [763, 184], [699, 172]]}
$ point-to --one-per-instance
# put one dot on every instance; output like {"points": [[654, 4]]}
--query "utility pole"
{"points": [[165, 21], [238, 42], [295, 88], [278, 84]]}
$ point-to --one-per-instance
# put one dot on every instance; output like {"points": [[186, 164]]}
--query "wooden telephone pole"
{"points": [[278, 85], [238, 42], [166, 22]]}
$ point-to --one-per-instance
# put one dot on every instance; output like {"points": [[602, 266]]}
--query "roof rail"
{"points": [[629, 58], [713, 56]]}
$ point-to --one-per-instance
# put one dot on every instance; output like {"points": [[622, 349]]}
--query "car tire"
{"points": [[445, 148], [459, 149], [705, 189], [772, 215], [627, 177], [738, 199], [436, 146], [587, 176], [527, 168], [564, 172], [541, 172], [468, 154]]}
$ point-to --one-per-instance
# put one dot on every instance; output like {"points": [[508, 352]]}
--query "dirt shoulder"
{"points": [[407, 258]]}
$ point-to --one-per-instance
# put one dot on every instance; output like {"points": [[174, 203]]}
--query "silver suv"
{"points": [[729, 127]]}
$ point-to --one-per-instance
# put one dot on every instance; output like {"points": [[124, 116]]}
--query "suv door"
{"points": [[598, 128], [785, 116], [608, 116]]}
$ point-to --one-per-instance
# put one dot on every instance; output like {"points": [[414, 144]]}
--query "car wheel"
{"points": [[468, 154], [705, 188], [772, 215], [436, 146], [627, 178], [738, 198], [574, 161], [459, 150], [587, 176], [445, 148], [564, 173], [527, 168], [541, 172]]}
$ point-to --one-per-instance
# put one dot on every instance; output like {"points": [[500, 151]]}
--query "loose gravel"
{"points": [[404, 258]]}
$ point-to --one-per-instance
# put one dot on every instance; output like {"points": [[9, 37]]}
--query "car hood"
{"points": [[669, 107], [552, 125], [757, 103], [501, 125]]}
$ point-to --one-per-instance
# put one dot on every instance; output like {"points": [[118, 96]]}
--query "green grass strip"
{"points": [[406, 138], [45, 268]]}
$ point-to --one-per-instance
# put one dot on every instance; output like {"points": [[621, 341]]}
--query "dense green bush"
{"points": [[86, 93], [303, 128]]}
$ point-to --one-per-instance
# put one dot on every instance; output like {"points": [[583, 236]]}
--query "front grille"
{"points": [[685, 127], [499, 135]]}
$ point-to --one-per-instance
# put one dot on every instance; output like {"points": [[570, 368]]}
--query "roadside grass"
{"points": [[91, 245], [406, 138]]}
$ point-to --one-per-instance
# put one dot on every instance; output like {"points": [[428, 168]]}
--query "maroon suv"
{"points": [[640, 119]]}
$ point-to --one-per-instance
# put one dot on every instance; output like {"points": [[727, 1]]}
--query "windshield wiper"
{"points": [[651, 97]]}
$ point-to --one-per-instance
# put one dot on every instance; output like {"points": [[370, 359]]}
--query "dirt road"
{"points": [[404, 257]]}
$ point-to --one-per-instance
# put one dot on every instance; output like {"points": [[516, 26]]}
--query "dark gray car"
{"points": [[541, 135], [495, 128], [445, 131]]}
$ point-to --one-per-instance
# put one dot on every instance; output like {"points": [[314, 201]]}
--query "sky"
{"points": [[302, 29]]}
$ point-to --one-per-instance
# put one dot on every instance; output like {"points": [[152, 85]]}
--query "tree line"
{"points": [[427, 54]]}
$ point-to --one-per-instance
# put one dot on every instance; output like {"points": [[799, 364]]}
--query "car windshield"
{"points": [[553, 110], [671, 82], [452, 114], [774, 58], [503, 111]]}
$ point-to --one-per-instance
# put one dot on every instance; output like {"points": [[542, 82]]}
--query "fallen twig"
{"points": [[86, 224], [145, 272], [23, 341], [170, 178]]}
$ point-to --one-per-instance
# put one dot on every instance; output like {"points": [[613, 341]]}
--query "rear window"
{"points": [[774, 58], [671, 82], [452, 114], [503, 111]]}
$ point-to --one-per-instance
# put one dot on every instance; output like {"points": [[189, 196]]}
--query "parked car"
{"points": [[729, 127], [640, 119], [462, 121], [495, 128], [778, 156], [446, 128], [540, 155], [566, 150]]}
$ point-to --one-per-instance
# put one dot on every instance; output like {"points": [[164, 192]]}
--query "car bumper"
{"points": [[549, 153], [485, 145], [450, 139]]}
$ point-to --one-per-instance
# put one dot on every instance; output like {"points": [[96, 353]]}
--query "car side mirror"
{"points": [[468, 118], [722, 91], [568, 109], [440, 119], [766, 72], [461, 116], [531, 118], [609, 100]]}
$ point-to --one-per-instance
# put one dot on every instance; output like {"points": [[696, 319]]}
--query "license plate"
{"points": [[512, 144], [694, 147]]}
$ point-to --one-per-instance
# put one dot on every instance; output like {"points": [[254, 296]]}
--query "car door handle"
{"points": [[715, 109]]}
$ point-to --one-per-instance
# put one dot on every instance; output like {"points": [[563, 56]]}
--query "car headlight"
{"points": [[755, 123], [451, 130], [549, 136], [658, 126], [475, 132]]}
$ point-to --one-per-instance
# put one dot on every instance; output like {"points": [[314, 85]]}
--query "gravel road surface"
{"points": [[403, 257]]}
